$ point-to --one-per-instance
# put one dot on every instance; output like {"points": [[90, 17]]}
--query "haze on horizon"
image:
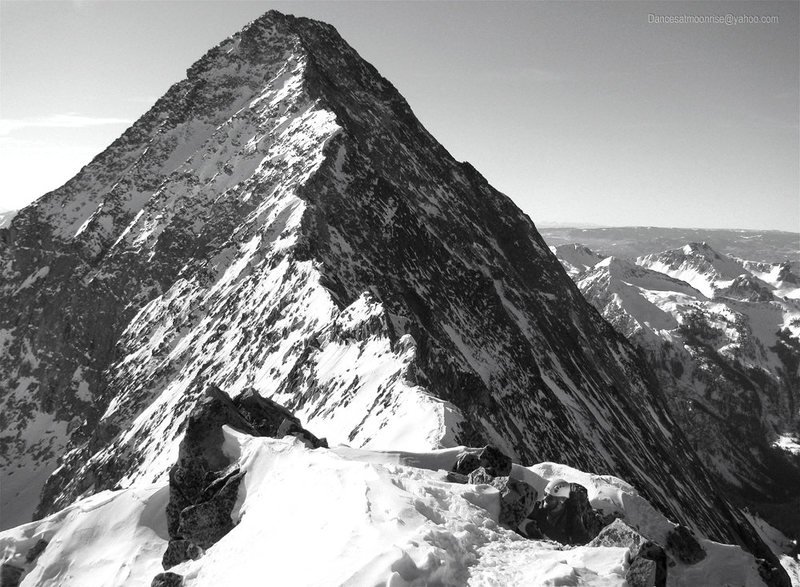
{"points": [[583, 113]]}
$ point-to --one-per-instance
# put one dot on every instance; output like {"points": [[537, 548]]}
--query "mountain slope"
{"points": [[728, 366], [280, 220]]}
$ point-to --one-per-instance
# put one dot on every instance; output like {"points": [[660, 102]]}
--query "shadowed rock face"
{"points": [[281, 213], [204, 482]]}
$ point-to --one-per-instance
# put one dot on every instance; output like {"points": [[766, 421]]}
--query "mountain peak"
{"points": [[281, 221]]}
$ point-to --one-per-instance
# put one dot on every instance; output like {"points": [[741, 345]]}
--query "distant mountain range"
{"points": [[635, 241], [723, 334]]}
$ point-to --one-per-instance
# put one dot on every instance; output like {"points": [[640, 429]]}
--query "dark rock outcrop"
{"points": [[180, 550], [683, 545], [35, 550], [494, 461], [167, 579], [204, 483], [10, 575], [642, 573], [648, 561]]}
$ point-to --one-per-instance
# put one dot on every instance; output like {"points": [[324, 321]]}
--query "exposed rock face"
{"points": [[281, 220], [10, 575], [683, 545], [494, 462], [648, 561], [204, 482], [35, 551], [167, 580], [643, 572], [618, 533]]}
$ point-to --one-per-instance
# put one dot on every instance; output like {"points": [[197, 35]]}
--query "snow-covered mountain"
{"points": [[713, 273], [280, 221], [728, 365], [631, 242], [576, 258]]}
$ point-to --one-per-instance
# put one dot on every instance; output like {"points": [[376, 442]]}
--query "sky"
{"points": [[581, 112]]}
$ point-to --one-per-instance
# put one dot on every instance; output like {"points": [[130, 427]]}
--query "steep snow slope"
{"points": [[281, 220], [350, 517]]}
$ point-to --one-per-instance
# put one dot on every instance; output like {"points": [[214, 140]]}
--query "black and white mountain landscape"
{"points": [[278, 258]]}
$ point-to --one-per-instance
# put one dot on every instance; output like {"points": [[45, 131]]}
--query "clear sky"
{"points": [[582, 112]]}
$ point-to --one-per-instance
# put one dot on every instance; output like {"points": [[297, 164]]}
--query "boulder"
{"points": [[641, 573], [683, 545], [619, 534], [167, 580]]}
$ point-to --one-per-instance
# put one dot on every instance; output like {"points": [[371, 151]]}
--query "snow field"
{"points": [[348, 516]]}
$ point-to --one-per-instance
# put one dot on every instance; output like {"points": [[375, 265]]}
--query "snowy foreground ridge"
{"points": [[346, 516]]}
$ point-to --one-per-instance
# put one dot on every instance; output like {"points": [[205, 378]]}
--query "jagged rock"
{"points": [[619, 534], [35, 550], [479, 476], [262, 413], [206, 522], [10, 575], [167, 579], [648, 559], [466, 463], [655, 553], [293, 428], [490, 458], [179, 551], [642, 573], [683, 545], [203, 485]]}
